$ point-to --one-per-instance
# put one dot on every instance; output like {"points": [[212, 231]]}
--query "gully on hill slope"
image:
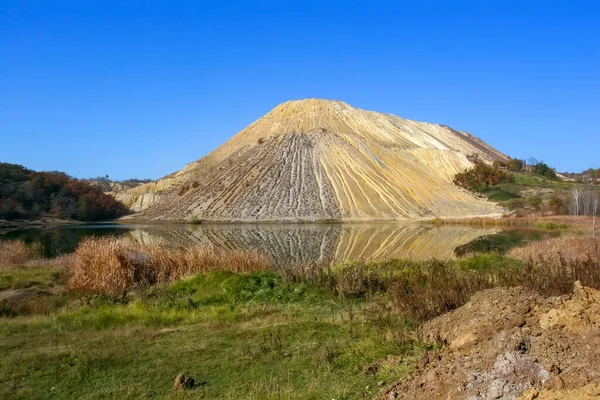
{"points": [[314, 160]]}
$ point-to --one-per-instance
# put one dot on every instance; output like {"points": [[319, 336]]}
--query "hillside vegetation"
{"points": [[27, 194], [533, 188]]}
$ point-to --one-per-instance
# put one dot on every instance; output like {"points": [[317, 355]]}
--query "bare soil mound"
{"points": [[511, 344], [315, 160]]}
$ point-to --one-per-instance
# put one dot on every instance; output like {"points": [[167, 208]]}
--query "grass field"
{"points": [[339, 332], [240, 336]]}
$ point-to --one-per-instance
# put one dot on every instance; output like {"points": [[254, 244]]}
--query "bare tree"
{"points": [[595, 202], [586, 201], [576, 194]]}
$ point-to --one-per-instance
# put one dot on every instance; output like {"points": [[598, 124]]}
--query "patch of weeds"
{"points": [[226, 287], [487, 262], [5, 309], [502, 194], [551, 226], [26, 277]]}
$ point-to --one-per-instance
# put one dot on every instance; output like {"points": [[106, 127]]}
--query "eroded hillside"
{"points": [[311, 160]]}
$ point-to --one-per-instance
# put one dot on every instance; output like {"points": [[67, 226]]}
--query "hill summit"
{"points": [[311, 160]]}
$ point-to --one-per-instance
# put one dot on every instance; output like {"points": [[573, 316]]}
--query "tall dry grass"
{"points": [[420, 289], [108, 265], [565, 248], [426, 289], [15, 252], [542, 222], [65, 261]]}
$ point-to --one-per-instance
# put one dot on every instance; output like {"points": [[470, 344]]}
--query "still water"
{"points": [[293, 243]]}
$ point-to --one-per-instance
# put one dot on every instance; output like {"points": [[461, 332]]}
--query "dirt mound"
{"points": [[511, 344], [313, 160]]}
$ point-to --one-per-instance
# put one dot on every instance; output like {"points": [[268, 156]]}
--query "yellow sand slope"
{"points": [[311, 160]]}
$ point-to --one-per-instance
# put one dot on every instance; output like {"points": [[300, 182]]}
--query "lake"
{"points": [[295, 243]]}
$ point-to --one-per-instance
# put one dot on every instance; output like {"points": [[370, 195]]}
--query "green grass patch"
{"points": [[26, 277], [252, 336], [487, 262], [551, 226], [501, 194], [531, 180]]}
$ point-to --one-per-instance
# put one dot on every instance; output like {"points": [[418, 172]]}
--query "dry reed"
{"points": [[109, 265], [14, 252], [540, 221], [566, 248], [425, 289], [65, 261]]}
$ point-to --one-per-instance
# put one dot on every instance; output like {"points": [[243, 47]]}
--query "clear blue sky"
{"points": [[140, 88]]}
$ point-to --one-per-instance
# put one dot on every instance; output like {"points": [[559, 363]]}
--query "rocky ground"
{"points": [[510, 344]]}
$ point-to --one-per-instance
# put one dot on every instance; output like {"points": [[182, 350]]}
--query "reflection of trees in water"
{"points": [[293, 244], [503, 241], [60, 240]]}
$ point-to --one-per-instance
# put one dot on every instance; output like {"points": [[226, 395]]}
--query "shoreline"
{"points": [[473, 221], [428, 219], [23, 223]]}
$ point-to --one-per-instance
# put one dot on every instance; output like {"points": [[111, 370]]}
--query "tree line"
{"points": [[531, 165], [28, 194]]}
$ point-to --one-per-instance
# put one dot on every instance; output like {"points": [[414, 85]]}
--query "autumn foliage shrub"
{"points": [[27, 194], [482, 178]]}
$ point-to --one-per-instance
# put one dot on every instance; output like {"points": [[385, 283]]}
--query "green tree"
{"points": [[481, 178], [516, 165], [543, 169]]}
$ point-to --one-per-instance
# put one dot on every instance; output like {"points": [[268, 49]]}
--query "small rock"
{"points": [[381, 383], [530, 394], [593, 391], [370, 369], [183, 382], [496, 389], [556, 383]]}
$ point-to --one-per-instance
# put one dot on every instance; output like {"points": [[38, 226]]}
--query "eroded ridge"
{"points": [[312, 160]]}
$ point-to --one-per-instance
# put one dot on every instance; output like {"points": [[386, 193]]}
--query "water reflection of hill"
{"points": [[324, 243]]}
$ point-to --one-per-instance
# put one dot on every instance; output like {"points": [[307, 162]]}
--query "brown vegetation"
{"points": [[420, 289], [540, 221], [109, 265], [426, 289], [14, 252], [561, 248]]}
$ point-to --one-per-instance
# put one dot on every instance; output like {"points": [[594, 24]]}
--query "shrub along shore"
{"points": [[121, 321]]}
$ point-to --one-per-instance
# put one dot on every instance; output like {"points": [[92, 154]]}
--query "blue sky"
{"points": [[140, 88]]}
